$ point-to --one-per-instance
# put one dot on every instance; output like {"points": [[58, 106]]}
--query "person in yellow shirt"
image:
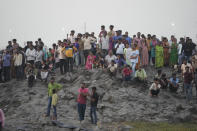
{"points": [[69, 52], [54, 104], [52, 86]]}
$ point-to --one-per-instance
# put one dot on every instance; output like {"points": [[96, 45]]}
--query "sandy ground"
{"points": [[118, 102]]}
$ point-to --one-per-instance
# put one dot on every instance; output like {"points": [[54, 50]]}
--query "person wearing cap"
{"points": [[188, 77]]}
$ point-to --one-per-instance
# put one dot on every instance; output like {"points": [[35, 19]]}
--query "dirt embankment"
{"points": [[24, 108]]}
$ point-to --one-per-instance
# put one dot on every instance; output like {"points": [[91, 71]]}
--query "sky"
{"points": [[27, 20]]}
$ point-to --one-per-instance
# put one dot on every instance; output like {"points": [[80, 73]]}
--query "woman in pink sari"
{"points": [[144, 52], [90, 61], [2, 119]]}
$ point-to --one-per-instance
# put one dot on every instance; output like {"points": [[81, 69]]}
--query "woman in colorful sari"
{"points": [[144, 52], [159, 55], [148, 41], [152, 45], [90, 61], [174, 53], [166, 51]]}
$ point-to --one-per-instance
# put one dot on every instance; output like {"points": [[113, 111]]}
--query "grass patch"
{"points": [[154, 126], [162, 126]]}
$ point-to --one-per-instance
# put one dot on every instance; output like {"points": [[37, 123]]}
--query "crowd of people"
{"points": [[113, 51]]}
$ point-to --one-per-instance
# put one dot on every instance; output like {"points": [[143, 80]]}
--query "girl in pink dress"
{"points": [[90, 61], [145, 56]]}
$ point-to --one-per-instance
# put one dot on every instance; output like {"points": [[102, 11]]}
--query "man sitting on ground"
{"points": [[159, 73], [155, 88], [112, 68], [173, 83], [164, 81], [140, 75]]}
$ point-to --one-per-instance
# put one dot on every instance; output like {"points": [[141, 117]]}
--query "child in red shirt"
{"points": [[126, 72]]}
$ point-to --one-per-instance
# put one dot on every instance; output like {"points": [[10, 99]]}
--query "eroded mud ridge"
{"points": [[24, 108]]}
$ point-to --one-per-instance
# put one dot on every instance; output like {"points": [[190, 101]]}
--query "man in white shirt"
{"points": [[110, 57], [39, 57], [31, 55], [87, 44], [155, 88], [104, 42], [134, 57], [72, 37], [61, 55], [18, 59], [120, 48]]}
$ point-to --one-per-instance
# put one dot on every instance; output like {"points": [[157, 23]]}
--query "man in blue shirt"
{"points": [[173, 83], [128, 38], [6, 65]]}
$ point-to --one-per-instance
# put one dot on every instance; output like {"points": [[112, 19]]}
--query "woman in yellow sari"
{"points": [[159, 56]]}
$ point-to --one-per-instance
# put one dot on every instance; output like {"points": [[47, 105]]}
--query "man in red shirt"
{"points": [[81, 100], [188, 77]]}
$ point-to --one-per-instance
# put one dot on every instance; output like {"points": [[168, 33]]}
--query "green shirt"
{"points": [[53, 86], [141, 74]]}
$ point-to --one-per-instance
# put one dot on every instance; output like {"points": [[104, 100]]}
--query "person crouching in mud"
{"points": [[155, 88]]}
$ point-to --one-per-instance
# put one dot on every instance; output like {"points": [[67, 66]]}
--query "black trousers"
{"points": [[62, 65], [1, 75], [86, 52], [155, 92], [173, 88], [69, 61], [6, 73], [31, 62], [153, 60], [30, 81]]}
